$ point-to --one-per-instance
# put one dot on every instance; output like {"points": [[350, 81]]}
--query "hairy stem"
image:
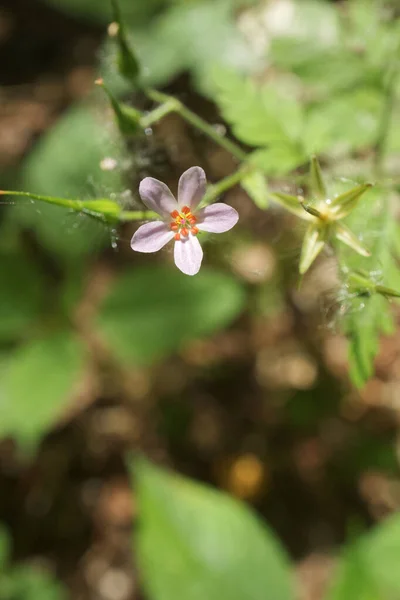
{"points": [[198, 123]]}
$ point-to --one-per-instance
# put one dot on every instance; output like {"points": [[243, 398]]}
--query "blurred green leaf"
{"points": [[255, 185], [151, 312], [135, 11], [194, 543], [67, 162], [369, 569], [279, 159], [21, 295], [4, 547], [189, 37], [259, 115], [346, 122], [32, 582], [38, 381]]}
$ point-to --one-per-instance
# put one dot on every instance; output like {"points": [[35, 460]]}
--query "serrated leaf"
{"points": [[141, 318], [36, 385], [278, 159], [255, 185], [259, 115], [194, 543]]}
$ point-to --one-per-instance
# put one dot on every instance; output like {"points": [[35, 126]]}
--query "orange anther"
{"points": [[174, 214], [184, 231], [177, 236], [192, 219], [195, 230], [174, 226], [186, 210]]}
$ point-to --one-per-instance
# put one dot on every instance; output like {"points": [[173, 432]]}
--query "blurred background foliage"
{"points": [[239, 377]]}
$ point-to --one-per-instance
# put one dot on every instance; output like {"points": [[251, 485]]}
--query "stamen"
{"points": [[192, 219], [174, 214], [184, 231], [174, 226], [195, 230], [186, 210], [177, 236]]}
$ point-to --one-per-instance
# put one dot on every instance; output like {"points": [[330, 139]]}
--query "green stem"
{"points": [[158, 113], [198, 123], [136, 215]]}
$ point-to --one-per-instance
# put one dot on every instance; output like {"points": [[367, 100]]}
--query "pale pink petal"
{"points": [[151, 237], [157, 196], [191, 187], [188, 255], [217, 218]]}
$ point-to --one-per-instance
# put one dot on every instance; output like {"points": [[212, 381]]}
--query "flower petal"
{"points": [[157, 196], [191, 187], [188, 255], [151, 237], [217, 218]]}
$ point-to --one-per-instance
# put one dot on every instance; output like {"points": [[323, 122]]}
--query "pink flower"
{"points": [[181, 220]]}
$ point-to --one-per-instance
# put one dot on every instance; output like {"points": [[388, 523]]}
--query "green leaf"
{"points": [[369, 568], [151, 312], [277, 160], [344, 123], [259, 115], [33, 583], [313, 242], [137, 12], [194, 543], [67, 163], [21, 296], [255, 185], [4, 548], [37, 383], [188, 37], [127, 62], [127, 117]]}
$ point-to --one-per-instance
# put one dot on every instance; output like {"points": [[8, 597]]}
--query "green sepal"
{"points": [[292, 203], [127, 118], [342, 205], [317, 183], [346, 236], [314, 241], [363, 285], [128, 64]]}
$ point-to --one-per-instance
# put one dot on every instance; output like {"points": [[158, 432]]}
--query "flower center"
{"points": [[183, 222]]}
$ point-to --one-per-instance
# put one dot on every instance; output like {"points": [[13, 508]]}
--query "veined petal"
{"points": [[188, 255], [217, 218], [191, 187], [157, 196], [151, 237]]}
